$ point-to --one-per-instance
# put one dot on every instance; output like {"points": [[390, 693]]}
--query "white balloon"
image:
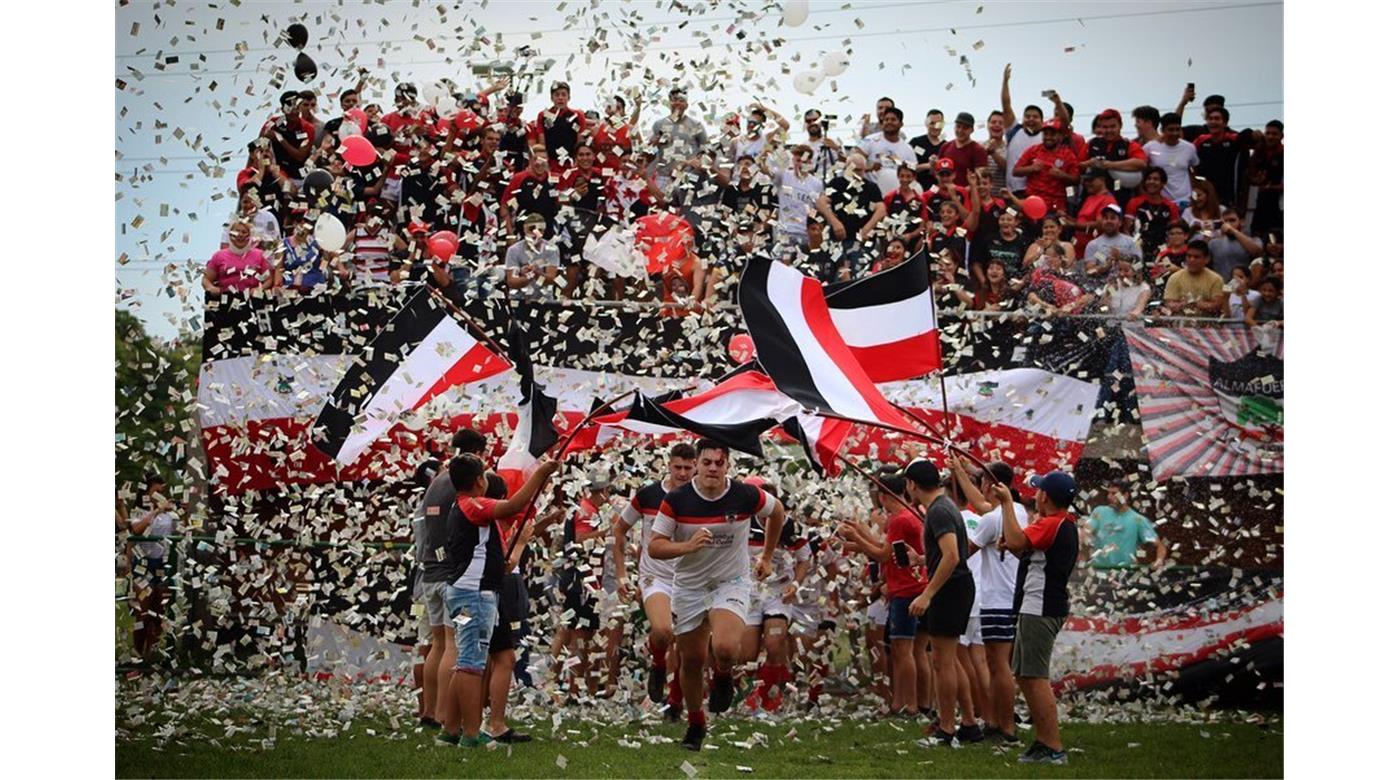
{"points": [[446, 105], [431, 92], [329, 233], [349, 126], [887, 178], [835, 63], [807, 81], [795, 13]]}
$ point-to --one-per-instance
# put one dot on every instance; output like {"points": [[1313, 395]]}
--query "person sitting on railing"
{"points": [[1269, 309], [1195, 291], [240, 266]]}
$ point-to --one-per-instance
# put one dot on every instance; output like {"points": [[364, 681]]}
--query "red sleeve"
{"points": [[762, 500], [1201, 140], [244, 176], [1079, 145], [889, 198], [1135, 152], [1133, 205], [1027, 157], [478, 511], [1042, 532], [1175, 212], [514, 186]]}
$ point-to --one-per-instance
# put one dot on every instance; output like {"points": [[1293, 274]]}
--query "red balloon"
{"points": [[360, 118], [664, 239], [442, 245], [741, 348], [1035, 207], [357, 150]]}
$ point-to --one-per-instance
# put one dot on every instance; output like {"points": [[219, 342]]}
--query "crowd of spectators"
{"points": [[1180, 219]]}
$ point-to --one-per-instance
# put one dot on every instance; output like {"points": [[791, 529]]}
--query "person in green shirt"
{"points": [[1115, 532]]}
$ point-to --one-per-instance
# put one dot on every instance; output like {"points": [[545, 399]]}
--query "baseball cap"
{"points": [[945, 164], [1059, 487], [1114, 207], [417, 227], [1053, 124], [965, 118], [924, 473], [1110, 113]]}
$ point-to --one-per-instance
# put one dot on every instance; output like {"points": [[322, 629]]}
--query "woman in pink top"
{"points": [[239, 267]]}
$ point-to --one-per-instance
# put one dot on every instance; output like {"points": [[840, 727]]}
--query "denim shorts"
{"points": [[902, 624], [472, 615]]}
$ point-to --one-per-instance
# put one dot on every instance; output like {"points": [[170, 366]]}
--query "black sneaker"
{"points": [[1010, 739], [942, 737], [970, 733], [447, 740], [672, 714], [1032, 753], [656, 685], [1038, 753], [694, 737], [510, 736], [429, 723], [721, 693]]}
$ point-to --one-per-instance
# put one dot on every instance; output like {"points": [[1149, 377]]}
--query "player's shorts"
{"points": [[948, 612], [998, 625], [973, 634], [653, 585], [581, 608], [878, 613], [435, 602], [512, 611], [806, 617], [690, 606], [768, 603]]}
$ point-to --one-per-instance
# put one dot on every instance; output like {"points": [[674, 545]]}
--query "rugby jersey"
{"points": [[684, 512], [791, 549], [1042, 579], [481, 557], [643, 508]]}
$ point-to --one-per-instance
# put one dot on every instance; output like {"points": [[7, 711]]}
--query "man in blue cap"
{"points": [[1048, 549]]}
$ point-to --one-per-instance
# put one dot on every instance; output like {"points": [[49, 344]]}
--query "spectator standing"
{"points": [[886, 150], [1008, 247], [1115, 531], [996, 149], [827, 154], [905, 210], [798, 191], [373, 241], [966, 154], [1175, 157], [1265, 173], [156, 517], [265, 178], [1196, 291], [612, 138], [756, 143], [1096, 197], [1147, 121], [515, 133], [928, 149], [288, 137], [1151, 212], [1223, 153], [744, 196], [1050, 167], [1048, 549], [240, 266], [1109, 151], [1203, 213], [531, 192], [1022, 136], [559, 128], [881, 106], [677, 137], [266, 231], [532, 263], [852, 205]]}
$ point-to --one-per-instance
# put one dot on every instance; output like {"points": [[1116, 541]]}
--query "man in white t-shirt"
{"points": [[887, 149], [1175, 156], [704, 526], [1022, 135], [798, 190], [996, 589]]}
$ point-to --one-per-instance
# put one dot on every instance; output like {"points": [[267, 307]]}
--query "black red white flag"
{"points": [[799, 346], [535, 433], [420, 353], [888, 320]]}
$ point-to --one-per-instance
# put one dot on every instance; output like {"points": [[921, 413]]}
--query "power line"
{"points": [[836, 36]]}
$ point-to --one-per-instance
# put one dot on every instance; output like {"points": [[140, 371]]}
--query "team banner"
{"points": [[1211, 399]]}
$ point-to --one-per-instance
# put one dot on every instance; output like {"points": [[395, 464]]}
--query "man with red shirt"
{"points": [[1048, 549], [612, 137], [1109, 151], [901, 557], [1049, 167], [965, 153], [559, 128]]}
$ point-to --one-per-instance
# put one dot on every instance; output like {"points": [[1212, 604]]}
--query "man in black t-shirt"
{"points": [[743, 198], [290, 141], [946, 602], [1009, 245], [853, 207], [1048, 549]]}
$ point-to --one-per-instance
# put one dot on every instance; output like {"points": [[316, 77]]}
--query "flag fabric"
{"points": [[615, 252], [821, 438], [1211, 400], [423, 351], [888, 320], [534, 432], [799, 347]]}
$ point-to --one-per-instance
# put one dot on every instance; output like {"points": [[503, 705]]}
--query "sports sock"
{"points": [[673, 695], [658, 655], [696, 718]]}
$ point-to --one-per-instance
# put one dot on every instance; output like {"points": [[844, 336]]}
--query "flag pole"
{"points": [[562, 445], [877, 483]]}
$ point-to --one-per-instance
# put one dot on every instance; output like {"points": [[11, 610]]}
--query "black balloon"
{"points": [[297, 35], [316, 183], [304, 67]]}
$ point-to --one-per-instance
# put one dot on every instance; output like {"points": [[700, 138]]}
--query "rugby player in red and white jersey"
{"points": [[654, 576], [771, 610], [704, 526]]}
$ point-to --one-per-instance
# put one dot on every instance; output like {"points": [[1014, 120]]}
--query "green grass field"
{"points": [[801, 748]]}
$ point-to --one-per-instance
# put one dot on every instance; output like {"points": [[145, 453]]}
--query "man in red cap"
{"points": [[1050, 167], [1109, 151]]}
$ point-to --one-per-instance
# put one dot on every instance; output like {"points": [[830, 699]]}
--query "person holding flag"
{"points": [[655, 576], [703, 525]]}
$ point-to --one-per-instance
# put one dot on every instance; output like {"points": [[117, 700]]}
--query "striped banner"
{"points": [[1183, 397]]}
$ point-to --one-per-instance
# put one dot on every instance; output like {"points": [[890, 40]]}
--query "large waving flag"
{"points": [[422, 352], [888, 321], [535, 433], [799, 346], [821, 438]]}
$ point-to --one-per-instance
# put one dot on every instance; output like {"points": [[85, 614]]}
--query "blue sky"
{"points": [[199, 79]]}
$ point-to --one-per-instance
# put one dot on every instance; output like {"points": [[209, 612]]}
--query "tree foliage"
{"points": [[155, 429]]}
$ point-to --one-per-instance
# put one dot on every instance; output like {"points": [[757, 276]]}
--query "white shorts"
{"points": [[689, 607], [768, 602], [973, 635], [878, 613], [654, 585]]}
